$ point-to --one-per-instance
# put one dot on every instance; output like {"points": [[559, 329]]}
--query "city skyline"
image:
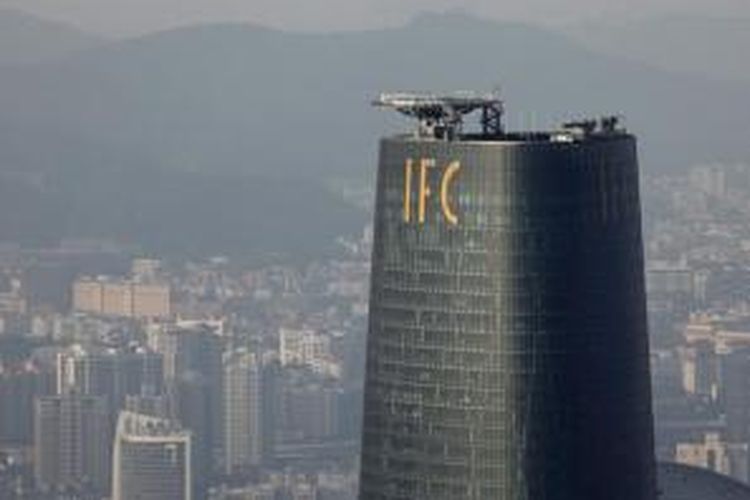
{"points": [[697, 280], [217, 284]]}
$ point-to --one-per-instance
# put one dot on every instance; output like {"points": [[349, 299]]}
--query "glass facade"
{"points": [[151, 459], [507, 347], [154, 471]]}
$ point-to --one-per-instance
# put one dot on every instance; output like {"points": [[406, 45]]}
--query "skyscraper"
{"points": [[110, 373], [151, 459], [507, 347], [243, 428], [196, 350], [19, 385], [191, 405], [72, 443]]}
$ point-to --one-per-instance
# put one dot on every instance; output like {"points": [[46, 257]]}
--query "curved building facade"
{"points": [[684, 482], [507, 354]]}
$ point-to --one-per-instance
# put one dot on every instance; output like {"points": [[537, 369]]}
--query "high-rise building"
{"points": [[196, 351], [125, 298], [141, 372], [88, 371], [243, 427], [19, 385], [72, 443], [711, 453], [699, 368], [308, 348], [308, 410], [191, 400], [271, 406], [110, 373], [734, 369], [151, 459], [154, 406], [507, 353], [300, 347]]}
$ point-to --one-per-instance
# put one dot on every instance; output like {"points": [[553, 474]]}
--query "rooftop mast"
{"points": [[442, 116]]}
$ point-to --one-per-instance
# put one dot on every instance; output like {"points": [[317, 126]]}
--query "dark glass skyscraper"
{"points": [[507, 347]]}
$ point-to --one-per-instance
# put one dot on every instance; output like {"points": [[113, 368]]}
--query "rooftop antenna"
{"points": [[442, 116]]}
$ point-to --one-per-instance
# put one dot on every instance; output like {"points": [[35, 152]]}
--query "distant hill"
{"points": [[25, 38], [205, 138], [179, 214], [236, 98], [713, 47]]}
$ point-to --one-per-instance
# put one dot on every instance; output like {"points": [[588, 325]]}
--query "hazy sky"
{"points": [[128, 17]]}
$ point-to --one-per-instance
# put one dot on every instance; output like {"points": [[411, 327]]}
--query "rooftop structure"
{"points": [[137, 426], [443, 117]]}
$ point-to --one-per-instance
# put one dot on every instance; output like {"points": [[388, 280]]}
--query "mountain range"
{"points": [[274, 109], [246, 99], [712, 47], [27, 39]]}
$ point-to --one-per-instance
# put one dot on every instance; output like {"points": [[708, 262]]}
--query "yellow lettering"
{"points": [[445, 188], [407, 190], [424, 188]]}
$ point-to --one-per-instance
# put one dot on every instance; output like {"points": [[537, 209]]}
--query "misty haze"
{"points": [[554, 208]]}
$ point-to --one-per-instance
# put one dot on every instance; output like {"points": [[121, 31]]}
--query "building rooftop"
{"points": [[683, 482], [136, 426], [443, 117]]}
